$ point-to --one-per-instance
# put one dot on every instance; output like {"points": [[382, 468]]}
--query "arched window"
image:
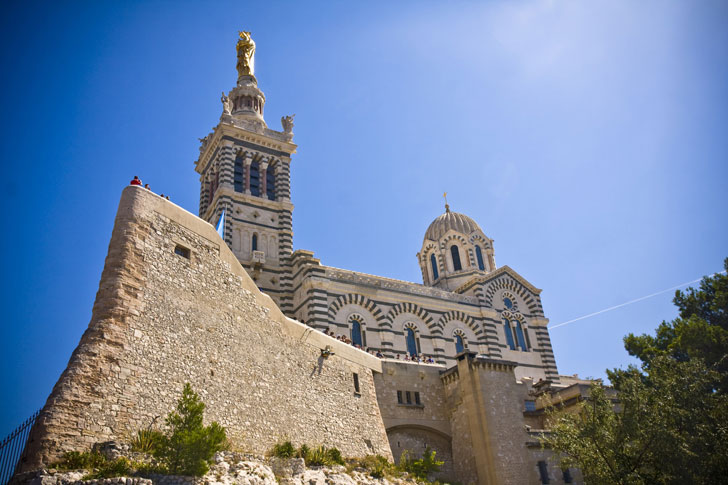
{"points": [[412, 344], [270, 183], [433, 263], [479, 255], [508, 303], [509, 334], [254, 243], [459, 344], [214, 181], [255, 178], [356, 332], [455, 258], [519, 335], [239, 174]]}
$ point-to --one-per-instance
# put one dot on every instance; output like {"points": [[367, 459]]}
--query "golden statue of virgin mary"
{"points": [[246, 54]]}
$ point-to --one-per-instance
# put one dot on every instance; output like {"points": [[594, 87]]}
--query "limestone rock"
{"points": [[287, 467]]}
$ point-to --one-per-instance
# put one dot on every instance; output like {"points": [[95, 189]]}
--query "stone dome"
{"points": [[451, 220]]}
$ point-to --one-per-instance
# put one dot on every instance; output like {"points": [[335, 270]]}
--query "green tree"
{"points": [[668, 426], [189, 445], [700, 331], [669, 423]]}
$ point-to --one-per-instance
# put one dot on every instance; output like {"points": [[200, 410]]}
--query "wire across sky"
{"points": [[551, 327]]}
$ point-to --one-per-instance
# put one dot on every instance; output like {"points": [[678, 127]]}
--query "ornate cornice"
{"points": [[270, 139]]}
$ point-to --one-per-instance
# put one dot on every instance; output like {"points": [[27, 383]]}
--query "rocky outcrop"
{"points": [[228, 469]]}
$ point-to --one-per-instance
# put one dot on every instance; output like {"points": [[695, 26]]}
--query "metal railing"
{"points": [[12, 447]]}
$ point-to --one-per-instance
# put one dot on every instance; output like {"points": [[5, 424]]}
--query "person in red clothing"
{"points": [[135, 181]]}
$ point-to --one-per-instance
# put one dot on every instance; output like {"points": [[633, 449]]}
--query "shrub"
{"points": [[334, 456], [317, 457], [421, 468], [74, 460], [145, 469], [284, 450], [120, 467], [190, 445], [377, 466], [303, 451], [146, 441], [101, 467], [322, 456]]}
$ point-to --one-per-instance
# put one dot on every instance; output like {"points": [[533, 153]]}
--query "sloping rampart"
{"points": [[161, 319]]}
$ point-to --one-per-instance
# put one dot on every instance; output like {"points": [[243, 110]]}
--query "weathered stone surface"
{"points": [[287, 467], [110, 449]]}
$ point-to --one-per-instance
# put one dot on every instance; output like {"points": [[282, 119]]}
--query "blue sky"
{"points": [[588, 139]]}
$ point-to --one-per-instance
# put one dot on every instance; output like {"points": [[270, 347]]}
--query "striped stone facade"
{"points": [[325, 297]]}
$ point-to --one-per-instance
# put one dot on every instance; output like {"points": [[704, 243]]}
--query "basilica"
{"points": [[282, 346]]}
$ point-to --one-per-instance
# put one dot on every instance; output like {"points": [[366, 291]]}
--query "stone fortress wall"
{"points": [[174, 306]]}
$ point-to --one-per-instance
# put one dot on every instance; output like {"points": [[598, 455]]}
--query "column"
{"points": [[491, 259], [246, 163], [262, 172]]}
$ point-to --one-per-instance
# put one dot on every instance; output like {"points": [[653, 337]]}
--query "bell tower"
{"points": [[244, 169]]}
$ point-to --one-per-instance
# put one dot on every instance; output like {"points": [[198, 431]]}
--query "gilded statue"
{"points": [[246, 53]]}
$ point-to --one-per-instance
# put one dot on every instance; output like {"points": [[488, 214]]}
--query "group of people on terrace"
{"points": [[137, 181], [417, 358], [421, 358]]}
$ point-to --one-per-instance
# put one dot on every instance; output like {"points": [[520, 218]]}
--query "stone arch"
{"points": [[515, 315], [357, 317], [444, 242], [509, 283], [359, 300], [457, 315], [471, 338], [483, 240], [425, 253], [407, 326], [458, 332], [415, 437], [514, 300], [412, 308]]}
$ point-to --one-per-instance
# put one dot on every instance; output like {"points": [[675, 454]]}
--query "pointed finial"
{"points": [[447, 207]]}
